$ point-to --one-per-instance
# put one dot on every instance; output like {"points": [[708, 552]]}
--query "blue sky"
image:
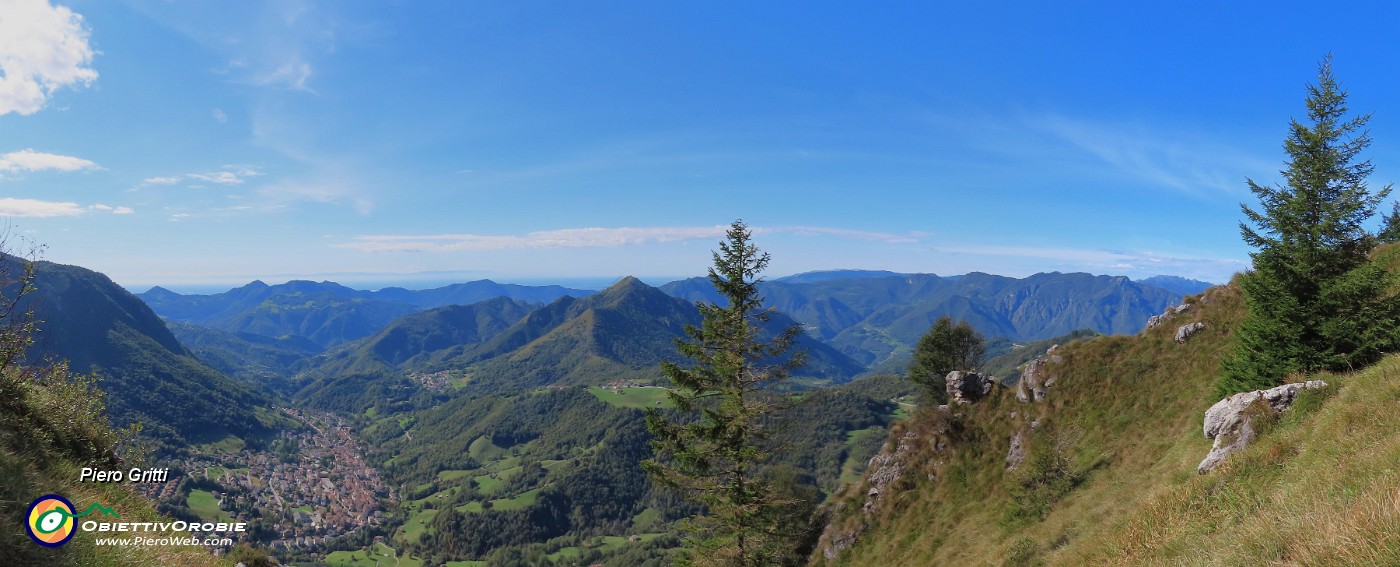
{"points": [[194, 144]]}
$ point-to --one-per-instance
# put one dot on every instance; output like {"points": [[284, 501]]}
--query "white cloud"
{"points": [[243, 170], [11, 207], [561, 238], [229, 175], [42, 48], [592, 237], [220, 177], [111, 209], [30, 160], [292, 73], [220, 116]]}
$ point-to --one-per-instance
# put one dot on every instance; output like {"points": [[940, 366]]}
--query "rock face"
{"points": [[1035, 382], [1185, 331], [1032, 387], [967, 387], [1228, 422], [889, 472], [1017, 454], [886, 469]]}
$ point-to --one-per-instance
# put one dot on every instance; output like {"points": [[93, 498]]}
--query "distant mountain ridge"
{"points": [[620, 333], [828, 275], [326, 312], [870, 318], [1177, 284], [878, 319]]}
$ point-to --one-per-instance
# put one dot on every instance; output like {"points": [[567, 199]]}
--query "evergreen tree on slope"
{"points": [[718, 456], [1315, 302]]}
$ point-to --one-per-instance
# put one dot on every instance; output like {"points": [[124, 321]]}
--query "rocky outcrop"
{"points": [[1184, 332], [886, 469], [888, 472], [1032, 387], [967, 387], [1017, 454], [1228, 422], [1035, 382], [1170, 312]]}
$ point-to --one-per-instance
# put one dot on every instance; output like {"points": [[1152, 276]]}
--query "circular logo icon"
{"points": [[50, 520]]}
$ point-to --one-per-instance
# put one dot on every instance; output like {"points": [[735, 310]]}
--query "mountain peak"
{"points": [[158, 291], [626, 289]]}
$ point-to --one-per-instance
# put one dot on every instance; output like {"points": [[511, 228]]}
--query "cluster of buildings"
{"points": [[436, 381], [321, 489]]}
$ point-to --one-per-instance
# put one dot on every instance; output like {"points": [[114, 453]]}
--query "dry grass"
{"points": [[1320, 489], [1321, 485]]}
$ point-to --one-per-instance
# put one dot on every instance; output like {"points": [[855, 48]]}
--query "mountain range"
{"points": [[326, 312], [500, 346], [876, 318]]}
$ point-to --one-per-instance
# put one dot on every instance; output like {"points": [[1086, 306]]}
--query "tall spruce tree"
{"points": [[716, 453], [1314, 300]]}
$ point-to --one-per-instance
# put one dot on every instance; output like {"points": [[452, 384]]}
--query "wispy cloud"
{"points": [[293, 73], [1133, 262], [329, 189], [219, 177], [1192, 160], [561, 238], [43, 48], [590, 237], [30, 160], [112, 209], [266, 43], [228, 175], [11, 207], [1190, 163], [35, 208]]}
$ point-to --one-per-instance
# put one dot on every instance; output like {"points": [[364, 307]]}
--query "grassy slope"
{"points": [[1317, 488], [1136, 405]]}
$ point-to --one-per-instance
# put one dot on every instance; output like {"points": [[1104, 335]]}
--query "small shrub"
{"points": [[1043, 478], [1022, 554]]}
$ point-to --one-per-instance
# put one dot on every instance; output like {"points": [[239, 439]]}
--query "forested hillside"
{"points": [[96, 326]]}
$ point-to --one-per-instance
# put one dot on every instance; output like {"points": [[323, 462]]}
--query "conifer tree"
{"points": [[1314, 301], [715, 453]]}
